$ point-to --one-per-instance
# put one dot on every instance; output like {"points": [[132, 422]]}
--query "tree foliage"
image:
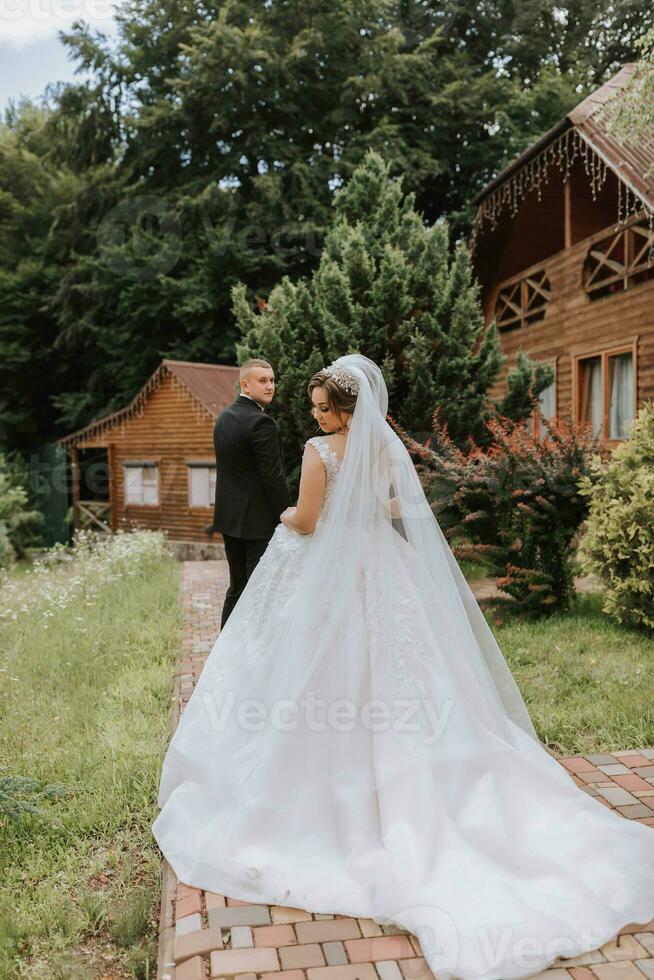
{"points": [[630, 114], [19, 521], [205, 149]]}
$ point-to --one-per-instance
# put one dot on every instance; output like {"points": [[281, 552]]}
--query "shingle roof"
{"points": [[631, 162], [212, 385]]}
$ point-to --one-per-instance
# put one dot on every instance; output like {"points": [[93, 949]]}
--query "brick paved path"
{"points": [[204, 935]]}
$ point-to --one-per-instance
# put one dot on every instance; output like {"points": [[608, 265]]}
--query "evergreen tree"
{"points": [[524, 383], [631, 114], [388, 287], [29, 273]]}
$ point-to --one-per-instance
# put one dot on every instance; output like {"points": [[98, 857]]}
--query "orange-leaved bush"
{"points": [[514, 504]]}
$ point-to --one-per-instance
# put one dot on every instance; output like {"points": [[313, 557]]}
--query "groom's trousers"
{"points": [[242, 557]]}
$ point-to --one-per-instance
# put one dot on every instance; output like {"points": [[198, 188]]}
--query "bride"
{"points": [[356, 743]]}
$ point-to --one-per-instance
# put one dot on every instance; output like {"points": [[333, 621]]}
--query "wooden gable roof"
{"points": [[584, 133], [213, 386]]}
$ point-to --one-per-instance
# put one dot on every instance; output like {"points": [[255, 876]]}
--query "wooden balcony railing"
{"points": [[523, 302], [94, 515], [620, 261]]}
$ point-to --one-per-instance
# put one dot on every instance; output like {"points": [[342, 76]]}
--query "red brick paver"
{"points": [[204, 935]]}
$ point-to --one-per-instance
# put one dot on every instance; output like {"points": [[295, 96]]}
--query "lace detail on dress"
{"points": [[272, 589], [331, 461]]}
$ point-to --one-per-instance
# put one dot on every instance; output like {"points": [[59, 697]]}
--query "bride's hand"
{"points": [[288, 513], [392, 508]]}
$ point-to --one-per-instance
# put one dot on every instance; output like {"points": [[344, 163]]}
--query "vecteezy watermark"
{"points": [[60, 11], [531, 952], [56, 10], [287, 240], [438, 937], [419, 19], [141, 238], [26, 21], [316, 714], [416, 15], [485, 949]]}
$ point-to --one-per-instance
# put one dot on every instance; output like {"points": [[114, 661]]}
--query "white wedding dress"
{"points": [[443, 813]]}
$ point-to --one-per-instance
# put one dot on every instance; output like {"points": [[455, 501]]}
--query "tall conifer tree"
{"points": [[391, 288]]}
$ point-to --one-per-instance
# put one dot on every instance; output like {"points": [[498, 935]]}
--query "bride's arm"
{"points": [[392, 508], [303, 518]]}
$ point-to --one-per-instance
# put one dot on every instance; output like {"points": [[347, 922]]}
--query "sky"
{"points": [[31, 54]]}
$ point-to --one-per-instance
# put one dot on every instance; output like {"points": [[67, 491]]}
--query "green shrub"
{"points": [[618, 545]]}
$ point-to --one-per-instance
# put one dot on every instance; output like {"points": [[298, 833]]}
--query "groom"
{"points": [[251, 488]]}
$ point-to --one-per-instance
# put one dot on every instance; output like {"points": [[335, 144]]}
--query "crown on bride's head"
{"points": [[343, 378]]}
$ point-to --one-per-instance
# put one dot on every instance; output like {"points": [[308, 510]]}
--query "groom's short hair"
{"points": [[252, 363]]}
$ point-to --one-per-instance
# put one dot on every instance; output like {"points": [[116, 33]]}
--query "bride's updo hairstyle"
{"points": [[339, 400]]}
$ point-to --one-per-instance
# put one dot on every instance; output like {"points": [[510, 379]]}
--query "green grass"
{"points": [[85, 703], [588, 682]]}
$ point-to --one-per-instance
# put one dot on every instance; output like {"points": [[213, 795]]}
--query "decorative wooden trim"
{"points": [[587, 242], [523, 302], [604, 353], [91, 512], [583, 350], [100, 426], [533, 169], [144, 460], [613, 263]]}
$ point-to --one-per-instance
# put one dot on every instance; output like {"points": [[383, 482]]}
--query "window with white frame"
{"points": [[141, 483], [201, 484]]}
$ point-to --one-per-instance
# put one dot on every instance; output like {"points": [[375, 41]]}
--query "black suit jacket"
{"points": [[251, 487]]}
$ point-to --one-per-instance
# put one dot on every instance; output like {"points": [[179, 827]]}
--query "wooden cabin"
{"points": [[152, 463], [563, 247]]}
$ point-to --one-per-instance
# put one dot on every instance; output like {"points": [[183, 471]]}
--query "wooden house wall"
{"points": [[575, 324], [173, 429], [537, 230], [588, 214]]}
